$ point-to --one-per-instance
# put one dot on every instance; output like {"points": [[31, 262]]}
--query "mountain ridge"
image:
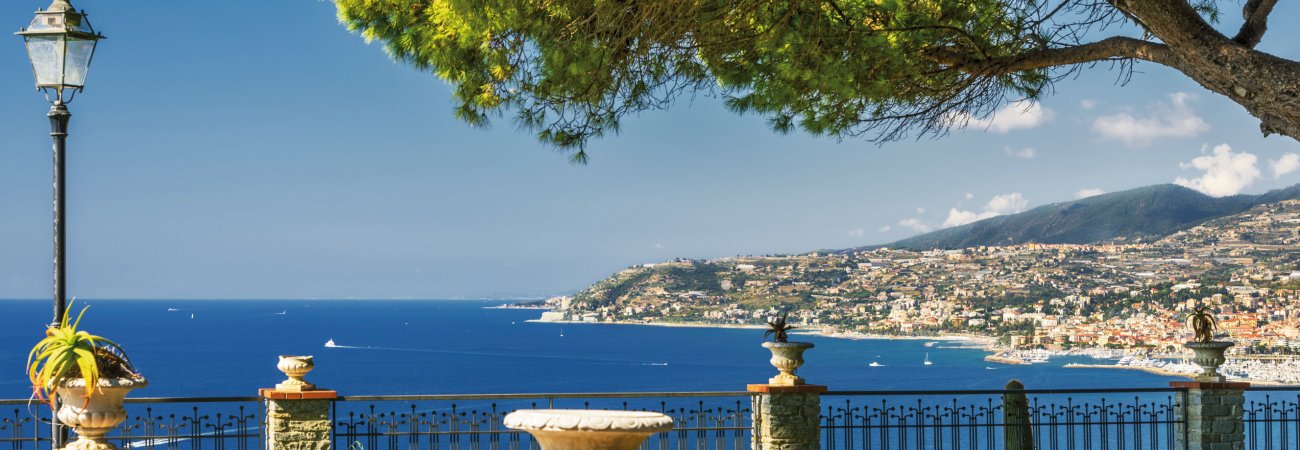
{"points": [[1149, 212]]}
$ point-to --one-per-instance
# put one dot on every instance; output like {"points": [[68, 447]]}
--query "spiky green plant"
{"points": [[1203, 324], [778, 329], [67, 353]]}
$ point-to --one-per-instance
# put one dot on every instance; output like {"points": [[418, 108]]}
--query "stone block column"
{"points": [[297, 413], [1214, 416], [787, 417], [298, 420]]}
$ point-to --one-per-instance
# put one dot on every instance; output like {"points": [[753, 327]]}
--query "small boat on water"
{"points": [[281, 313], [191, 315], [876, 364], [330, 343], [927, 360], [172, 310], [930, 344]]}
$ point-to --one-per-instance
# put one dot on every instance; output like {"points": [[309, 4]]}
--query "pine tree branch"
{"points": [[1256, 14], [1104, 50]]}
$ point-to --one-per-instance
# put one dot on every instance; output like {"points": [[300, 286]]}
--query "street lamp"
{"points": [[60, 43]]}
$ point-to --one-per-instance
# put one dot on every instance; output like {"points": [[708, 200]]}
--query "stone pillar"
{"points": [[787, 417], [1213, 416], [1018, 423], [297, 414]]}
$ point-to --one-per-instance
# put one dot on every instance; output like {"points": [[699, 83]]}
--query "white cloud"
{"points": [[969, 196], [1289, 162], [1226, 173], [1174, 119], [920, 211], [1007, 203], [885, 229], [1085, 193], [1087, 103], [1015, 116], [658, 245], [857, 232], [916, 225], [957, 217], [1000, 204], [1026, 153]]}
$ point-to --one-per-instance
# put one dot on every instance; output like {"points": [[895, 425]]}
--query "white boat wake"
{"points": [[331, 344]]}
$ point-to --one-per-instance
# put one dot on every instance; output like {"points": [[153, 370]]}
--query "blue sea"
{"points": [[229, 348]]}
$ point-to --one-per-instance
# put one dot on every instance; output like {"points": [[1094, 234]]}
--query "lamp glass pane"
{"points": [[47, 22], [47, 55], [78, 61]]}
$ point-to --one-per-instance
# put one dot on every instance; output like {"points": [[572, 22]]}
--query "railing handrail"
{"points": [[569, 395], [150, 400], [959, 392], [1274, 388], [194, 399]]}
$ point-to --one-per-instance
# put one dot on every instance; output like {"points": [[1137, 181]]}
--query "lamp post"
{"points": [[60, 43]]}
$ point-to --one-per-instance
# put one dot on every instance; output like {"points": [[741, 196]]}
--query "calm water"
{"points": [[434, 347]]}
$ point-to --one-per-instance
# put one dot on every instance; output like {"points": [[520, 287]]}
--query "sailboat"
{"points": [[191, 315], [927, 359], [330, 343]]}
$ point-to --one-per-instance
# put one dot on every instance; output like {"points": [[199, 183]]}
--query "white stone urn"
{"points": [[581, 429], [295, 367], [94, 417], [787, 357], [1209, 355]]}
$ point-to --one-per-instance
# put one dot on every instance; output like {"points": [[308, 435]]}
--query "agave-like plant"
{"points": [[67, 353], [779, 329], [1203, 324]]}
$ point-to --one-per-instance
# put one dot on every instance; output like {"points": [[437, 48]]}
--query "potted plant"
{"points": [[1207, 352], [786, 356], [89, 374]]}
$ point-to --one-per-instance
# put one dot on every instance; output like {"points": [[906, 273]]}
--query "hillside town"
{"points": [[1130, 297]]}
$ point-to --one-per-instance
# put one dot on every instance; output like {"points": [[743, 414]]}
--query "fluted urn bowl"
{"points": [[582, 429], [94, 417], [295, 367], [787, 357], [1209, 355]]}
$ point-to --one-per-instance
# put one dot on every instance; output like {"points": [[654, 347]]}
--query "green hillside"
{"points": [[1146, 213]]}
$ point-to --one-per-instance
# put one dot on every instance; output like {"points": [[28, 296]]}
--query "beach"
{"points": [[1006, 356]]}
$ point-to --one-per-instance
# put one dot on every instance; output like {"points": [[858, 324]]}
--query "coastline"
{"points": [[996, 355], [1005, 360], [1168, 373], [985, 343]]}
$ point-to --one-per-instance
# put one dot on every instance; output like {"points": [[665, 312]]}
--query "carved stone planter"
{"points": [[295, 367], [1209, 355], [787, 357], [568, 429], [94, 418]]}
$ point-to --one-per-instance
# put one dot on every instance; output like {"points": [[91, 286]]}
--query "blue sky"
{"points": [[254, 149]]}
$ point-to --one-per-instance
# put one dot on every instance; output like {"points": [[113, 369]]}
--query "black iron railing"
{"points": [[701, 420], [1108, 419], [1271, 418], [1120, 419], [201, 423], [24, 426]]}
